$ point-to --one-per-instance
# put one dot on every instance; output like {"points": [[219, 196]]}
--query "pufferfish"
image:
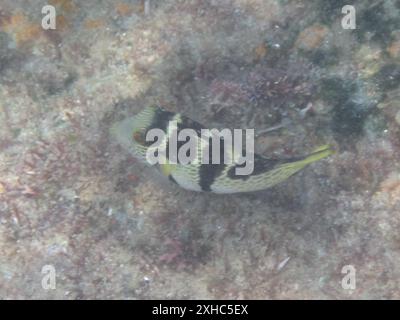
{"points": [[130, 133]]}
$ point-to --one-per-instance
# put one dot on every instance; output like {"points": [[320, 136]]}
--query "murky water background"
{"points": [[71, 198]]}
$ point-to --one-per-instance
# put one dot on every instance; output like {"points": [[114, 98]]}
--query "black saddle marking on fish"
{"points": [[187, 123], [160, 120], [261, 165], [208, 173]]}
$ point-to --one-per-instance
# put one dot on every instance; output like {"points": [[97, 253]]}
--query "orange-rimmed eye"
{"points": [[138, 136]]}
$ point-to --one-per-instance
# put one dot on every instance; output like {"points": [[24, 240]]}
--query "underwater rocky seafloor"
{"points": [[71, 198]]}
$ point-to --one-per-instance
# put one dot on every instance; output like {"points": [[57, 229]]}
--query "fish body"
{"points": [[131, 132]]}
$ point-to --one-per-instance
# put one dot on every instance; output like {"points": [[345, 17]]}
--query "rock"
{"points": [[312, 37]]}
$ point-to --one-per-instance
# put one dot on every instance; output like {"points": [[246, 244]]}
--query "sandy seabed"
{"points": [[72, 199]]}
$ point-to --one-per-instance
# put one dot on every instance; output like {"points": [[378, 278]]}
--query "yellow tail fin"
{"points": [[285, 170], [318, 154]]}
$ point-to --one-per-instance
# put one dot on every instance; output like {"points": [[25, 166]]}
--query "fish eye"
{"points": [[139, 137]]}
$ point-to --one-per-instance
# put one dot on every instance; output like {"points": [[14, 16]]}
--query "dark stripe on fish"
{"points": [[261, 165], [208, 173], [187, 123], [160, 120]]}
